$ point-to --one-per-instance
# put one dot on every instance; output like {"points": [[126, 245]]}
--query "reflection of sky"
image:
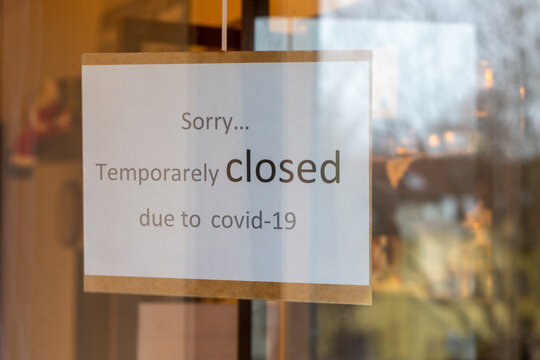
{"points": [[342, 97], [424, 74]]}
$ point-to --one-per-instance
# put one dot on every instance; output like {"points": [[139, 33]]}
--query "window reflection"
{"points": [[448, 147]]}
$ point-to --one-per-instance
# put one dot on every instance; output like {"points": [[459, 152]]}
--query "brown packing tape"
{"points": [[301, 292], [342, 294], [224, 57]]}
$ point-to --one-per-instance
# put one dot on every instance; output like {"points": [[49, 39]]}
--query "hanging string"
{"points": [[224, 25]]}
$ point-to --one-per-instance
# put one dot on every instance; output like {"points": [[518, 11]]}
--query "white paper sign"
{"points": [[231, 171]]}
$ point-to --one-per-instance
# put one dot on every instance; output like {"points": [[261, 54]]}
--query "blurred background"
{"points": [[456, 182]]}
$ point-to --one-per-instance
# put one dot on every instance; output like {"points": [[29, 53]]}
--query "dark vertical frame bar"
{"points": [[251, 9], [244, 329]]}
